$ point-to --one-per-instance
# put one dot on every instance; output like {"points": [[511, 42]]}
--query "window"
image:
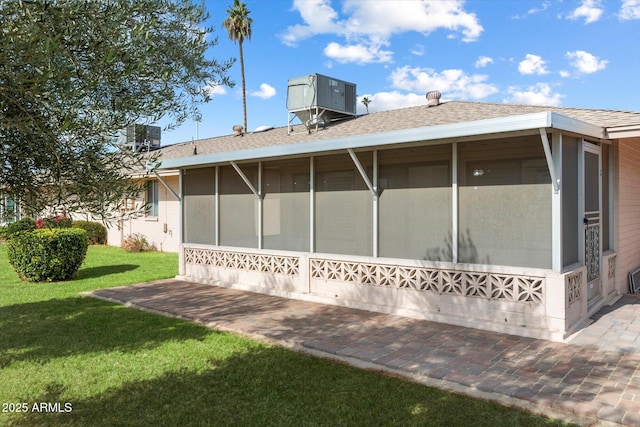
{"points": [[152, 198], [8, 210]]}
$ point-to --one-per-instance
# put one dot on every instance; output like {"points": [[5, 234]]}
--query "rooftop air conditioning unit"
{"points": [[317, 99], [141, 137]]}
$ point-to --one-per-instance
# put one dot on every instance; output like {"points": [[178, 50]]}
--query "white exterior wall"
{"points": [[162, 230], [626, 209]]}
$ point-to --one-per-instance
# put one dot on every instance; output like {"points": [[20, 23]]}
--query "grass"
{"points": [[111, 365]]}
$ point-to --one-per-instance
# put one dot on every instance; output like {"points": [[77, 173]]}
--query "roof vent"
{"points": [[237, 130], [433, 98]]}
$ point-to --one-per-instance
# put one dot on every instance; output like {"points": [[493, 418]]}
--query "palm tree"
{"points": [[366, 101], [238, 25]]}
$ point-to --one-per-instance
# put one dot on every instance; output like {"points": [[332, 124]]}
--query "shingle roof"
{"points": [[392, 120]]}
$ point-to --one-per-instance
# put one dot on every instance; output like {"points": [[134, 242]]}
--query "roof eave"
{"points": [[546, 119], [620, 132]]}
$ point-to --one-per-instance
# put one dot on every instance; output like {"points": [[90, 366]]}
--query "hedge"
{"points": [[25, 224], [47, 254], [96, 233]]}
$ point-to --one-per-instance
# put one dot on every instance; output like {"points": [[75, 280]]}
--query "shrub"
{"points": [[3, 233], [60, 221], [96, 233], [47, 254], [137, 243], [25, 224]]}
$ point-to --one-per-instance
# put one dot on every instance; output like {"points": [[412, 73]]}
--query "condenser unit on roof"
{"points": [[139, 137], [317, 99]]}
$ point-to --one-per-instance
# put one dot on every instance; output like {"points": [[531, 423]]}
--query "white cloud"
{"points": [[411, 85], [418, 50], [483, 61], [540, 94], [590, 10], [319, 18], [369, 25], [544, 6], [383, 101], [586, 63], [213, 89], [454, 83], [532, 64], [630, 9], [358, 53], [387, 17], [266, 91]]}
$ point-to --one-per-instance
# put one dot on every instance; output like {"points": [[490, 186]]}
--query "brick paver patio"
{"points": [[593, 379]]}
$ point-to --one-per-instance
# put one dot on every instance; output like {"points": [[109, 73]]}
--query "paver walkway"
{"points": [[591, 380]]}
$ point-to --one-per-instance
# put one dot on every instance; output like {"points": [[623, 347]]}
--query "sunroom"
{"points": [[503, 224]]}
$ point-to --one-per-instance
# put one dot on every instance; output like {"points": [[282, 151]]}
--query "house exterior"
{"points": [[9, 209], [160, 222], [511, 218]]}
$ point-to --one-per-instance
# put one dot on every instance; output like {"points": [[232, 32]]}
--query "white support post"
{"points": [[180, 208], [556, 208], [181, 266], [366, 179], [376, 202], [547, 154], [581, 190], [260, 207], [609, 201], [454, 202], [312, 206], [245, 179], [217, 211]]}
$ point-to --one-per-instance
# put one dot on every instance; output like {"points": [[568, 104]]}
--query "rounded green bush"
{"points": [[25, 224], [96, 233], [47, 254]]}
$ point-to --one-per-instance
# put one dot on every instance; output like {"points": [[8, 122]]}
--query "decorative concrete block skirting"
{"points": [[529, 302]]}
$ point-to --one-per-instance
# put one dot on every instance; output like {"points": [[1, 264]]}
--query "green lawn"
{"points": [[111, 365]]}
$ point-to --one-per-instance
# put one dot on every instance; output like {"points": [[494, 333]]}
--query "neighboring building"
{"points": [[512, 218], [9, 209], [160, 221]]}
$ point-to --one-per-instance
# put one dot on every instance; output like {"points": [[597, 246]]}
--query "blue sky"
{"points": [[572, 53]]}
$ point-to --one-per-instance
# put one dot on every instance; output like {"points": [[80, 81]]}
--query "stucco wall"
{"points": [[627, 209], [162, 230]]}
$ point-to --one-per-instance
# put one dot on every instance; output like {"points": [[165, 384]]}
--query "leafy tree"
{"points": [[238, 25], [73, 72]]}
